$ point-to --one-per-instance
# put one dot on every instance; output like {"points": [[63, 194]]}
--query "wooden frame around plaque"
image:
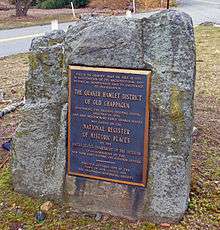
{"points": [[148, 74]]}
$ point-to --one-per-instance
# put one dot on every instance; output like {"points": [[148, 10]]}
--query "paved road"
{"points": [[201, 10], [18, 40], [15, 41]]}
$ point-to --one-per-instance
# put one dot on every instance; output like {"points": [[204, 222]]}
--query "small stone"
{"points": [[199, 184], [3, 205], [105, 218], [164, 225], [207, 24], [1, 95], [45, 207], [62, 216], [7, 145], [18, 210], [190, 211], [16, 226], [40, 216], [89, 215], [131, 8], [195, 131], [13, 91], [98, 216]]}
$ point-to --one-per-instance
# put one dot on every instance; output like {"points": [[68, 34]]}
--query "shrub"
{"points": [[13, 2], [80, 3], [55, 4], [51, 4]]}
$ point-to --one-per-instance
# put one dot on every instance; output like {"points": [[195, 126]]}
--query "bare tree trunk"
{"points": [[168, 4], [22, 7]]}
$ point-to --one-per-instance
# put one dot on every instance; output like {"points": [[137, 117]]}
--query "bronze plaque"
{"points": [[108, 122]]}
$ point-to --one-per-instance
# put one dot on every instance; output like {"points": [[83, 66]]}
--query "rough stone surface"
{"points": [[39, 150], [163, 43]]}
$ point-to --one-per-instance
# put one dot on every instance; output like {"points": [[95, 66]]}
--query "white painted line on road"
{"points": [[207, 1], [21, 37]]}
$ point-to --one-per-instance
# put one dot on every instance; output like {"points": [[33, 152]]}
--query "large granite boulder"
{"points": [[162, 43], [39, 146]]}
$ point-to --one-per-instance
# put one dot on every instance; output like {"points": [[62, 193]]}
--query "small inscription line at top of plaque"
{"points": [[115, 95]]}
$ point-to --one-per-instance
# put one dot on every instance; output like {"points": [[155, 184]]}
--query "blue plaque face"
{"points": [[108, 119]]}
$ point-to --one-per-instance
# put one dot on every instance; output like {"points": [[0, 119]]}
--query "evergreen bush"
{"points": [[55, 4], [13, 2]]}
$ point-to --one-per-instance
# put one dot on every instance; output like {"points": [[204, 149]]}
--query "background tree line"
{"points": [[22, 6]]}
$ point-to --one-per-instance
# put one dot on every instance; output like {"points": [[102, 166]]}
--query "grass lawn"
{"points": [[204, 207], [13, 22]]}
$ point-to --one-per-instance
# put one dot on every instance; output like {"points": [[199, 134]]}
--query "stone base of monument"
{"points": [[162, 44]]}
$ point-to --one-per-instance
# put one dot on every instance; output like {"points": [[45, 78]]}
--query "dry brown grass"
{"points": [[204, 206], [13, 72], [16, 67]]}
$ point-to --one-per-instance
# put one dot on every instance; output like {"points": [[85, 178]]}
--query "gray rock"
{"points": [[207, 24], [105, 42], [163, 43], [98, 216], [38, 146], [1, 95], [195, 131]]}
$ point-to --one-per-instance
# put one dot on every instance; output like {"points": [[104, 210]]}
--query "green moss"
{"points": [[148, 226], [159, 100], [5, 179], [33, 62], [11, 199], [176, 116], [176, 113], [61, 60], [46, 70], [20, 134], [53, 42], [56, 135], [43, 57]]}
